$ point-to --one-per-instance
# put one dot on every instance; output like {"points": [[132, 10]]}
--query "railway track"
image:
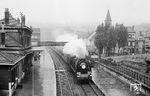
{"points": [[123, 70], [91, 89], [86, 89], [63, 85]]}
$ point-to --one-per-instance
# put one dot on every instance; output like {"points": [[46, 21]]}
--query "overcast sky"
{"points": [[74, 11]]}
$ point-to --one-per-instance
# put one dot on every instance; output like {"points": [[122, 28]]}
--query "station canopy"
{"points": [[8, 58]]}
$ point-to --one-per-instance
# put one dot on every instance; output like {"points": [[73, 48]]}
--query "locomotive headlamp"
{"points": [[83, 65]]}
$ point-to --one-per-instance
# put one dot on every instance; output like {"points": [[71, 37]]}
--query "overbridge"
{"points": [[52, 43]]}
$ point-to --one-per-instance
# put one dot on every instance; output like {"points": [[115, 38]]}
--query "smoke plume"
{"points": [[74, 46]]}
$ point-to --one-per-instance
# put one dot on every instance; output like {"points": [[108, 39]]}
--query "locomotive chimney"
{"points": [[6, 16], [23, 20]]}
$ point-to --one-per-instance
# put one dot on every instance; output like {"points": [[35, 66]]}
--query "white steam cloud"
{"points": [[74, 47]]}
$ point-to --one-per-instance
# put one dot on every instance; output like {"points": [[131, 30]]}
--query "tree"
{"points": [[98, 44], [107, 37], [103, 39], [112, 40], [99, 38], [122, 35]]}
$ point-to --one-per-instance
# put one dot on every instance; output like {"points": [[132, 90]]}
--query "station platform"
{"points": [[110, 84], [44, 76], [42, 80]]}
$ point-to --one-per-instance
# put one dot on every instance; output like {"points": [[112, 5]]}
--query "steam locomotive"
{"points": [[81, 67]]}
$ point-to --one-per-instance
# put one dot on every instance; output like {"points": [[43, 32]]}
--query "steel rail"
{"points": [[58, 60]]}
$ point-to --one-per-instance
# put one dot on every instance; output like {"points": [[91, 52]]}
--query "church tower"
{"points": [[108, 19]]}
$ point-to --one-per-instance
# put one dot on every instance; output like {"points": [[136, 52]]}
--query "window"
{"points": [[34, 37], [2, 39]]}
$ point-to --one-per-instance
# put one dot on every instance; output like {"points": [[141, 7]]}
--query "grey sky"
{"points": [[74, 11]]}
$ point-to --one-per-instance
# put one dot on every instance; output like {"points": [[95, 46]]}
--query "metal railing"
{"points": [[139, 77]]}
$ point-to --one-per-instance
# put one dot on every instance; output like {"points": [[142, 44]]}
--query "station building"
{"points": [[15, 54]]}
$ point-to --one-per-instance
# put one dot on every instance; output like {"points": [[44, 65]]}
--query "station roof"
{"points": [[130, 29], [36, 30], [7, 58], [13, 23]]}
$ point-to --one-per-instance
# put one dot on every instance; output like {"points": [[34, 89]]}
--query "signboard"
{"points": [[136, 87], [11, 30], [1, 31]]}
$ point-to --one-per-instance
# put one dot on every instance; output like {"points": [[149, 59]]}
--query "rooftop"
{"points": [[130, 29], [13, 22], [108, 17], [7, 58]]}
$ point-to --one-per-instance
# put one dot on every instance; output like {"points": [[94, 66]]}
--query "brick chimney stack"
{"points": [[6, 16], [18, 20], [23, 20]]}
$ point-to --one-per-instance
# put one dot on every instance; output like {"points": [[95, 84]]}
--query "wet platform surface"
{"points": [[111, 85], [44, 76], [41, 81]]}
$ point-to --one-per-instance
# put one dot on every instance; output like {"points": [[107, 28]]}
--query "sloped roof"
{"points": [[108, 17], [13, 23], [130, 29], [36, 30], [7, 58], [92, 36]]}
